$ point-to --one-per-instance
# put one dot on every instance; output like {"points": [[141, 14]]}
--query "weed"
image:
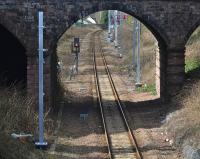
{"points": [[191, 65], [147, 88]]}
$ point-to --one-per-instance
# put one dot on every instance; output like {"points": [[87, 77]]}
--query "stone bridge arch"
{"points": [[136, 10], [172, 22]]}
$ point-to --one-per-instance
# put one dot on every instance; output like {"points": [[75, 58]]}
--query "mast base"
{"points": [[41, 145]]}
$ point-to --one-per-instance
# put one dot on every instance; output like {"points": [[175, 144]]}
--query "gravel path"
{"points": [[78, 137]]}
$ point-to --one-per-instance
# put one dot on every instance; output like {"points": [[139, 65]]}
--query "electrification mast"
{"points": [[116, 30], [134, 42], [41, 143], [109, 27], [138, 73]]}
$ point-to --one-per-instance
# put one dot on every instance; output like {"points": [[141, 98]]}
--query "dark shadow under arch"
{"points": [[13, 60]]}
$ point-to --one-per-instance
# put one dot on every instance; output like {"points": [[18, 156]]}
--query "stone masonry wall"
{"points": [[171, 21]]}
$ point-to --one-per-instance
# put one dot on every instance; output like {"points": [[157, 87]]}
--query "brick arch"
{"points": [[134, 9], [171, 22], [149, 22]]}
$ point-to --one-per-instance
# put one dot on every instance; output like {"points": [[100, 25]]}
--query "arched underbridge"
{"points": [[171, 21]]}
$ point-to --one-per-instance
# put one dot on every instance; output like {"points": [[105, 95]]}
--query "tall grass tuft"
{"points": [[17, 112]]}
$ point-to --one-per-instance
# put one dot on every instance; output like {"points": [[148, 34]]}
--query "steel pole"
{"points": [[109, 25], [41, 142], [138, 80], [116, 30], [134, 42]]}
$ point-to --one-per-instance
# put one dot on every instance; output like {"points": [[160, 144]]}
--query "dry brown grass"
{"points": [[192, 50], [183, 120], [184, 123], [12, 149], [147, 51], [18, 115], [16, 111], [193, 46]]}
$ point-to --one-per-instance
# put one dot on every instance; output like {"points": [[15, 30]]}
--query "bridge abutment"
{"points": [[160, 74], [172, 22], [175, 71]]}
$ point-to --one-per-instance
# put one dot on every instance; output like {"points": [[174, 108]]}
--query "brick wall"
{"points": [[172, 22]]}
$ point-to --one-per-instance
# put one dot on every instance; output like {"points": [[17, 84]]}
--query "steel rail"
{"points": [[117, 100], [99, 97], [131, 135]]}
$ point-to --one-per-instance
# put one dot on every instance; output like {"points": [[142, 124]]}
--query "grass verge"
{"points": [[191, 65], [147, 88]]}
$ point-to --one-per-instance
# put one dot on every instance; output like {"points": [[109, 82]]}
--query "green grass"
{"points": [[191, 65], [147, 88], [104, 17]]}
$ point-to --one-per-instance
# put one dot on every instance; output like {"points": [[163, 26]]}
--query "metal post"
{"points": [[134, 41], [120, 31], [138, 74], [100, 16], [77, 58], [41, 144], [109, 28], [116, 30]]}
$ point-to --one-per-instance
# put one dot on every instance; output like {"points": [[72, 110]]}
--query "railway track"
{"points": [[120, 139]]}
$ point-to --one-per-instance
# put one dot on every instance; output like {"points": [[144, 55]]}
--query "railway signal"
{"points": [[41, 144], [75, 49]]}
